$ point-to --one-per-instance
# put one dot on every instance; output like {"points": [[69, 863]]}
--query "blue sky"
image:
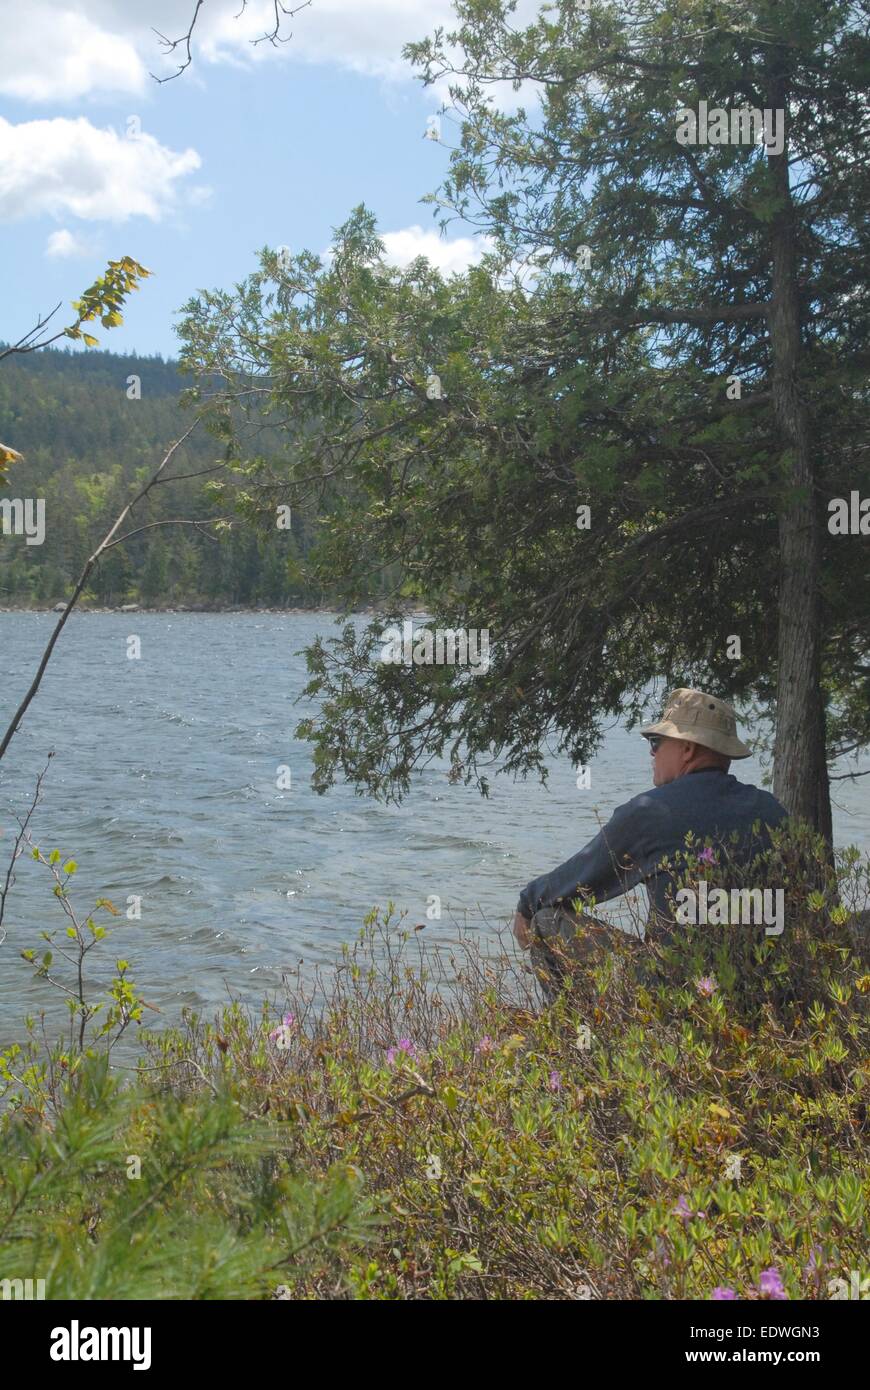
{"points": [[252, 145]]}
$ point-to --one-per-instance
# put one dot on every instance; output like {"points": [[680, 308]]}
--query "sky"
{"points": [[252, 145]]}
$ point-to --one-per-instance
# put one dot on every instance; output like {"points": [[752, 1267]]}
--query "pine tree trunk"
{"points": [[800, 767]]}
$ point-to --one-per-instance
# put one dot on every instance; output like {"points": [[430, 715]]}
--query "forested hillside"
{"points": [[87, 448]]}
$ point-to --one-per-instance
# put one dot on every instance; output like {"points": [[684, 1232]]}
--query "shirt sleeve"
{"points": [[603, 869]]}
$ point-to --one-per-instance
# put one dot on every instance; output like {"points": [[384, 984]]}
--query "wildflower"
{"points": [[404, 1045], [283, 1034], [770, 1284], [485, 1046], [683, 1210], [706, 985], [661, 1252], [706, 856], [555, 1081], [816, 1263], [720, 1292]]}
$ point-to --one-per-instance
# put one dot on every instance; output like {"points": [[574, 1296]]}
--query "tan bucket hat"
{"points": [[699, 718]]}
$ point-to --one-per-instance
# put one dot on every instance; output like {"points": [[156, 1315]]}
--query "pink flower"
{"points": [[706, 856], [555, 1081], [485, 1046], [283, 1034], [706, 985], [404, 1045], [722, 1293], [770, 1284], [683, 1210]]}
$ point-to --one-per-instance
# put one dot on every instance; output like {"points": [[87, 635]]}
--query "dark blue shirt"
{"points": [[652, 828]]}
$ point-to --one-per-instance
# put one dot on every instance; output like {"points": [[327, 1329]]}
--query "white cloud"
{"points": [[403, 247], [62, 50], [450, 257], [62, 244], [366, 38], [69, 167], [56, 53]]}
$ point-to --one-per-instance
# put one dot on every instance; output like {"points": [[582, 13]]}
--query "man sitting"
{"points": [[692, 748]]}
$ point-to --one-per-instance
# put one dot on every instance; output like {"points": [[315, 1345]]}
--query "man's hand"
{"points": [[523, 931]]}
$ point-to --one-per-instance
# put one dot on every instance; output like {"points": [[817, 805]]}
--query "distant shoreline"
{"points": [[135, 609]]}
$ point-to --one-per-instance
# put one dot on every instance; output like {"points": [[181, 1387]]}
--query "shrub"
{"points": [[688, 1125]]}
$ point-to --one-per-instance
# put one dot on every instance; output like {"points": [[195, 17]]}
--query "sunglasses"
{"points": [[654, 741]]}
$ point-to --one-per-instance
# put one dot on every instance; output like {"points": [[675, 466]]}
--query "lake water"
{"points": [[164, 787]]}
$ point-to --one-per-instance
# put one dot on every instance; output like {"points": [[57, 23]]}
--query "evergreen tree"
{"points": [[672, 335], [85, 446]]}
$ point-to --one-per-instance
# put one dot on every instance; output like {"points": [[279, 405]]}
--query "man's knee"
{"points": [[562, 940], [565, 930], [547, 923]]}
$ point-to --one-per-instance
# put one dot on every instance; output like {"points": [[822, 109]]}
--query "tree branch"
{"points": [[183, 42], [25, 345], [724, 313], [16, 848], [105, 543]]}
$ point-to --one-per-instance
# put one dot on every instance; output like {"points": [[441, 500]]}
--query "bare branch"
{"points": [[279, 9], [171, 521], [25, 343], [183, 42], [105, 544], [170, 45], [19, 845], [200, 472]]}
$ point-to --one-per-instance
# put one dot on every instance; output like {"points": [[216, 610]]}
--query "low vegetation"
{"points": [[413, 1125]]}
